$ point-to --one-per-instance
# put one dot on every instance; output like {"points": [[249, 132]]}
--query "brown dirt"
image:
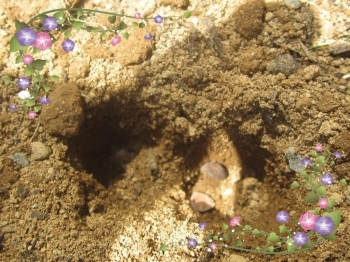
{"points": [[118, 180]]}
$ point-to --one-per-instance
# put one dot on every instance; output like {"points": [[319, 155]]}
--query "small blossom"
{"points": [[327, 179], [27, 59], [68, 45], [318, 147], [307, 221], [337, 155], [192, 242], [300, 238], [324, 225], [212, 246], [235, 221], [158, 19], [50, 23], [323, 202], [148, 37], [44, 100], [202, 225], [26, 36], [116, 40], [13, 107], [32, 115], [43, 41], [282, 217], [137, 16], [23, 82], [24, 94], [306, 161]]}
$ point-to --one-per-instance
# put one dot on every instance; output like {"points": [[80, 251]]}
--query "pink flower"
{"points": [[31, 115], [235, 221], [137, 16], [27, 59], [307, 221], [43, 41], [318, 147], [116, 40], [212, 246], [323, 203]]}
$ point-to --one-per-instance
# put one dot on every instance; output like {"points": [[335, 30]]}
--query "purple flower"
{"points": [[27, 59], [235, 221], [337, 155], [306, 161], [300, 238], [324, 225], [43, 41], [23, 82], [44, 100], [318, 147], [148, 37], [158, 19], [26, 36], [192, 242], [327, 179], [32, 115], [13, 107], [307, 221], [137, 16], [68, 45], [202, 225], [282, 217], [50, 23], [116, 40]]}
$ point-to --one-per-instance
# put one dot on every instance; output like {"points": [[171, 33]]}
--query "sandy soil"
{"points": [[129, 127]]}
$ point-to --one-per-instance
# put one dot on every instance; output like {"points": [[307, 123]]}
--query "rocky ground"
{"points": [[114, 159]]}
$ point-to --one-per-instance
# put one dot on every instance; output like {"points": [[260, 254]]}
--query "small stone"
{"points": [[214, 170], [39, 151], [292, 4], [201, 202], [339, 47], [283, 63], [21, 159]]}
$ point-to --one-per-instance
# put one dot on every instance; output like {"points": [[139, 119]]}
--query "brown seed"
{"points": [[215, 170], [201, 202]]}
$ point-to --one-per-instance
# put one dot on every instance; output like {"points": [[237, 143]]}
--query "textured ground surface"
{"points": [[233, 85]]}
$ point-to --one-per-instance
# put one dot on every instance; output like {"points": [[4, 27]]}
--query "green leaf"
{"points": [[247, 227], [77, 25], [224, 226], [112, 19], [18, 59], [15, 46], [34, 94], [89, 28], [282, 228], [290, 245], [255, 232], [30, 102], [68, 33], [321, 160], [36, 78], [331, 202], [273, 237], [55, 78], [163, 247], [126, 35], [313, 153], [326, 153], [279, 244], [343, 182], [238, 243], [80, 14], [142, 25], [36, 50], [311, 198], [37, 108], [227, 236], [321, 190], [38, 64], [316, 169], [28, 71], [330, 236], [103, 34], [335, 215], [25, 109], [122, 26], [187, 14], [7, 80], [270, 249], [95, 30], [59, 16], [46, 88], [19, 25], [295, 184], [215, 238]]}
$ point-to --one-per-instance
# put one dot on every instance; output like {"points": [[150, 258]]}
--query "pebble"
{"points": [[294, 160], [339, 47], [292, 4], [21, 159], [39, 151], [283, 63], [214, 170], [201, 202]]}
